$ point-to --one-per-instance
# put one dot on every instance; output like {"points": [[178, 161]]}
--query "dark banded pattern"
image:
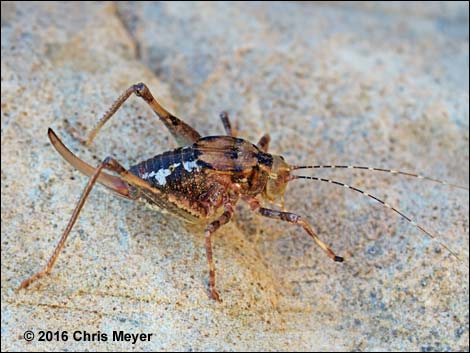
{"points": [[170, 164], [390, 171], [394, 209]]}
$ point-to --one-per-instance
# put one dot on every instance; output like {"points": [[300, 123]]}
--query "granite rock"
{"points": [[348, 83]]}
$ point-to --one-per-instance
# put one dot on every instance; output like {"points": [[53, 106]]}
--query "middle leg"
{"points": [[263, 143], [229, 130], [211, 228]]}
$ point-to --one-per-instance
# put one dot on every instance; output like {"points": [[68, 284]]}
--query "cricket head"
{"points": [[278, 178]]}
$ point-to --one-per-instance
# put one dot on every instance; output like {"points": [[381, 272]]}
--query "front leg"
{"points": [[293, 219], [210, 229]]}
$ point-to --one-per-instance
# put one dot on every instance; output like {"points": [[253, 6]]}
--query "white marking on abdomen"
{"points": [[189, 166], [161, 175]]}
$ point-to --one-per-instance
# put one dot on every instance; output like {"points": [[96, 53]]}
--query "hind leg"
{"points": [[109, 164], [182, 132]]}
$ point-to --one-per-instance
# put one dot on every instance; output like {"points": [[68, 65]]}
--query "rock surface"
{"points": [[365, 83]]}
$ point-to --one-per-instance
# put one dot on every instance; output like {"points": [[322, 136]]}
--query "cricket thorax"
{"points": [[238, 161]]}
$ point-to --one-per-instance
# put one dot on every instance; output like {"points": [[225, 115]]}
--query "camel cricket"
{"points": [[203, 179]]}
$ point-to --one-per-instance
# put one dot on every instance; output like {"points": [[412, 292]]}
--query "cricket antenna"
{"points": [[390, 171], [394, 209]]}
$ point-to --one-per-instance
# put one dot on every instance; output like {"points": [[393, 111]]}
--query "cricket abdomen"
{"points": [[169, 171], [180, 181]]}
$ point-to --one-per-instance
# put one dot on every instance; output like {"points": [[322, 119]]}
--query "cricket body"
{"points": [[202, 180]]}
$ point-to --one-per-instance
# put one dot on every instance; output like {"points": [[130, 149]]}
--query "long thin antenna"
{"points": [[391, 171], [394, 209]]}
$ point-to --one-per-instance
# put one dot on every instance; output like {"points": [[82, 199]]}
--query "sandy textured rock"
{"points": [[372, 84]]}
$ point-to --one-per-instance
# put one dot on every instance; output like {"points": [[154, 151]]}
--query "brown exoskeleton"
{"points": [[205, 175]]}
